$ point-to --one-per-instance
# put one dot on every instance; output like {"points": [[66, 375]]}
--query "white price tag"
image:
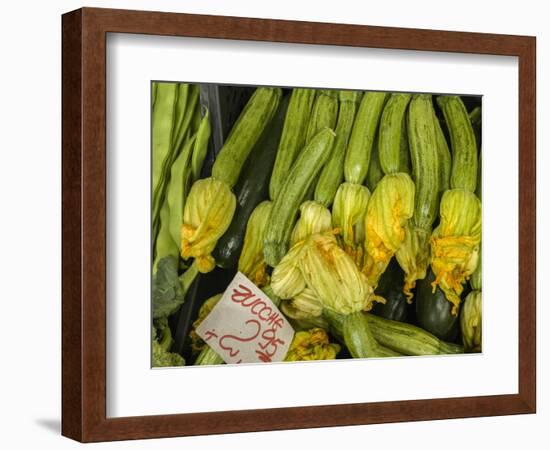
{"points": [[245, 326]]}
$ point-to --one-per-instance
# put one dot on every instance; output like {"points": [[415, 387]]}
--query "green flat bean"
{"points": [[181, 110], [183, 130], [165, 245], [163, 126], [178, 189]]}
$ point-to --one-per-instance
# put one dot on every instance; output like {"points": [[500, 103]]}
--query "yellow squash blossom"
{"points": [[197, 344], [390, 207], [348, 216], [305, 305], [320, 264], [314, 218], [287, 280], [334, 277], [312, 345], [207, 215], [414, 257], [251, 262], [455, 243], [470, 322]]}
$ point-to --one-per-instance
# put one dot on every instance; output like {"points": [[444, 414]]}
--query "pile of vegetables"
{"points": [[357, 213]]}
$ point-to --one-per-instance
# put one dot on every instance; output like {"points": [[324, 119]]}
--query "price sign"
{"points": [[245, 326]]}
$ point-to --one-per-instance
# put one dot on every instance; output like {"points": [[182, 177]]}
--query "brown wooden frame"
{"points": [[84, 234]]}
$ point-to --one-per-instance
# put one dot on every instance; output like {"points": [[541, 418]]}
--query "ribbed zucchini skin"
{"points": [[299, 180], [360, 144], [408, 339], [399, 337], [375, 174], [463, 143], [245, 133], [424, 158], [293, 137], [324, 114], [443, 157], [332, 174], [390, 132], [251, 189], [359, 339]]}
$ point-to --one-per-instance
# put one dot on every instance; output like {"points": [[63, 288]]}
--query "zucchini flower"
{"points": [[390, 207], [197, 344], [312, 345], [414, 257], [314, 218], [348, 215], [470, 322], [455, 243], [305, 305], [251, 261], [287, 280], [207, 214], [334, 277], [320, 264]]}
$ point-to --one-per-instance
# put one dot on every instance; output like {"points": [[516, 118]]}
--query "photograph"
{"points": [[299, 224]]}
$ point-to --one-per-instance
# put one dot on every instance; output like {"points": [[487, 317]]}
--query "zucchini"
{"points": [[359, 150], [390, 287], [286, 205], [332, 174], [424, 158], [204, 130], [463, 143], [434, 311], [443, 157], [359, 339], [324, 114], [475, 119], [401, 338], [251, 189], [405, 154], [409, 339], [245, 133], [391, 133], [292, 138], [374, 174], [354, 332]]}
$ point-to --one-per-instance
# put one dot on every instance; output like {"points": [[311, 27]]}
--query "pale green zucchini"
{"points": [[424, 157], [332, 174], [463, 143], [245, 133], [285, 208], [391, 133], [360, 144], [293, 137]]}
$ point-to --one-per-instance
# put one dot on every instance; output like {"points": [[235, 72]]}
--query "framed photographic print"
{"points": [[273, 225]]}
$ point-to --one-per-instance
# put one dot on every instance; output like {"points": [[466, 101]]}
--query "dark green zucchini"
{"points": [[433, 311], [390, 287], [251, 189]]}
